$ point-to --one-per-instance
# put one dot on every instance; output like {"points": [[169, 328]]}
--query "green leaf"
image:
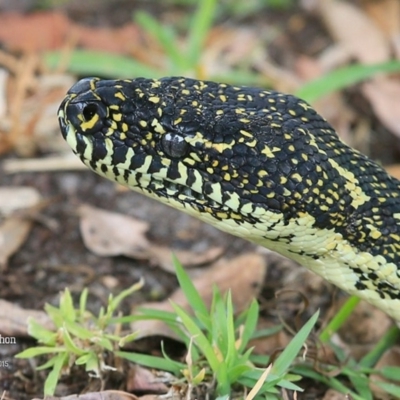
{"points": [[48, 364], [221, 377], [83, 302], [342, 78], [55, 315], [92, 363], [199, 338], [390, 337], [116, 301], [38, 351], [104, 343], [189, 290], [339, 319], [67, 306], [389, 388], [70, 344], [127, 339], [78, 330], [40, 333], [361, 384], [103, 64], [165, 36], [229, 326], [285, 359], [199, 28], [53, 377], [332, 382], [237, 371], [250, 324], [392, 373], [152, 361]]}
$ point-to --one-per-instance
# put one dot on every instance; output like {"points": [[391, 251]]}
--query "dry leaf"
{"points": [[110, 234], [161, 256], [144, 381], [386, 15], [13, 233], [33, 32], [267, 345], [13, 319], [334, 395], [384, 96], [16, 198], [243, 275], [393, 170], [355, 31], [104, 395], [366, 326]]}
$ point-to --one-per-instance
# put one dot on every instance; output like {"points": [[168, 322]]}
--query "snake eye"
{"points": [[87, 116], [89, 111], [174, 145]]}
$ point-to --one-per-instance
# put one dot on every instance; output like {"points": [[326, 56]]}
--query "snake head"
{"points": [[179, 140], [220, 152]]}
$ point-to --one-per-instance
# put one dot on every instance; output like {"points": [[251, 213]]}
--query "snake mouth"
{"points": [[155, 185]]}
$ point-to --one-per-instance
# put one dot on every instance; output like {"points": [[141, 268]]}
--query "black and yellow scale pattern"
{"points": [[259, 164]]}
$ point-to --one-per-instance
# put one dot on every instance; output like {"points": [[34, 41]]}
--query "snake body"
{"points": [[256, 163]]}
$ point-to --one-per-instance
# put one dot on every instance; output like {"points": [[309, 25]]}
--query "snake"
{"points": [[256, 163]]}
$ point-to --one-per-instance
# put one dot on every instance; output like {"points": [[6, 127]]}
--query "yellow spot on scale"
{"points": [[143, 124], [252, 143], [157, 126], [124, 127], [296, 176], [223, 98], [154, 99], [120, 95]]}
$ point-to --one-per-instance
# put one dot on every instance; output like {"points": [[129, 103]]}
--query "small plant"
{"points": [[79, 337], [217, 345]]}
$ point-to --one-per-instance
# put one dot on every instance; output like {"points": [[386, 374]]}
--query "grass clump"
{"points": [[217, 342], [79, 337]]}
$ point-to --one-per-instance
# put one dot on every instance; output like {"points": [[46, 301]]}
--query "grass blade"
{"points": [[342, 78], [285, 359], [200, 25], [103, 64], [339, 319], [192, 295]]}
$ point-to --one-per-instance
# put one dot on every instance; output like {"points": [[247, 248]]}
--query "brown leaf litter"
{"points": [[243, 276], [107, 233]]}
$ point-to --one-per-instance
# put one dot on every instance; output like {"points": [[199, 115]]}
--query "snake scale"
{"points": [[256, 163]]}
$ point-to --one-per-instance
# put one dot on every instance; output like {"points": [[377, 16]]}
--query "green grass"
{"points": [[218, 344]]}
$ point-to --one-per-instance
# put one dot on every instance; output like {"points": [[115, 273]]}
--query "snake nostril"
{"points": [[89, 111]]}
